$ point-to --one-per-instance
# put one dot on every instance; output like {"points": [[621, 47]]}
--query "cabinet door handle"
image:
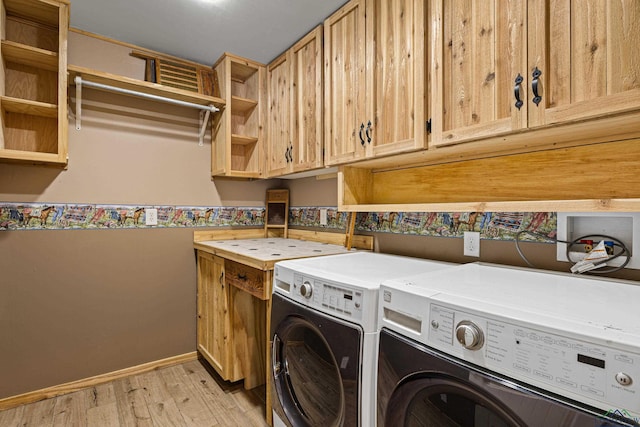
{"points": [[286, 155], [516, 91], [291, 153], [535, 86], [221, 279], [360, 134], [369, 132]]}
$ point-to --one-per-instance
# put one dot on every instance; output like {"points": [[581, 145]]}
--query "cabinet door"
{"points": [[213, 321], [306, 105], [396, 92], [344, 81], [279, 158], [479, 51], [588, 52]]}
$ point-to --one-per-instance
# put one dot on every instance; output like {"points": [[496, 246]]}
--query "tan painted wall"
{"points": [[78, 303]]}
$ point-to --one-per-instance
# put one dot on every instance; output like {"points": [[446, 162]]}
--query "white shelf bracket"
{"points": [[204, 121], [78, 81], [205, 110]]}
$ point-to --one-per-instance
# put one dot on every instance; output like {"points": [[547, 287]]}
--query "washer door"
{"points": [[438, 401], [418, 386], [316, 366]]}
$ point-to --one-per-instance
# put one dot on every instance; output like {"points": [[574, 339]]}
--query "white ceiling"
{"points": [[201, 30]]}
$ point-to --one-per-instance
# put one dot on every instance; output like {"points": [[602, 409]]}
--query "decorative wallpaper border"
{"points": [[52, 216], [491, 225]]}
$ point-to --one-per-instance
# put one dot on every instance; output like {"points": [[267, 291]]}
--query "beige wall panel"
{"points": [[312, 191], [74, 304]]}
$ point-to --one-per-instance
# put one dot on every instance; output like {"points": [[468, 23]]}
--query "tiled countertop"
{"points": [[264, 253]]}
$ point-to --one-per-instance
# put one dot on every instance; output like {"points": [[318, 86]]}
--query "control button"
{"points": [[435, 324], [624, 358], [543, 375], [469, 335], [623, 379], [306, 290], [592, 390], [521, 368], [566, 382]]}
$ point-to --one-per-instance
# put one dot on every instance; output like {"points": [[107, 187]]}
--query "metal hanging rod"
{"points": [[205, 112]]}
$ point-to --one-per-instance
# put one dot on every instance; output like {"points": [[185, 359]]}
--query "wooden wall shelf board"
{"points": [[142, 86], [243, 140], [25, 106], [44, 11], [596, 177], [29, 55], [242, 105]]}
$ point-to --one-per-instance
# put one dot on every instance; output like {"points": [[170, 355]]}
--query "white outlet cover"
{"points": [[151, 216], [624, 226], [471, 243], [323, 216]]}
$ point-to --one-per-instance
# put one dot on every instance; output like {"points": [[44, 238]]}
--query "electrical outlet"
{"points": [[151, 216], [323, 216], [472, 243]]}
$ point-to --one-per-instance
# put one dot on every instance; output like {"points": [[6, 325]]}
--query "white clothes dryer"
{"points": [[479, 345], [324, 336]]}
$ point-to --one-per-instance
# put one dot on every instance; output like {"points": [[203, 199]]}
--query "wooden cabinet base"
{"points": [[249, 319]]}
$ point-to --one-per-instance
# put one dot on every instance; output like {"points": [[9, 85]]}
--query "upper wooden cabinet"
{"points": [[33, 91], [499, 67], [478, 52], [238, 131], [375, 95], [588, 53], [295, 108]]}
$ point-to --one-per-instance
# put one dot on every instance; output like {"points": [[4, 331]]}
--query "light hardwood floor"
{"points": [[179, 395]]}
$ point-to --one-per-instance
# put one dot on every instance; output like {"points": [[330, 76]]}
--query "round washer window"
{"points": [[307, 376]]}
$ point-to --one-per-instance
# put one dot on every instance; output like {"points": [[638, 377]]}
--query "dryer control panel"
{"points": [[596, 374], [324, 295]]}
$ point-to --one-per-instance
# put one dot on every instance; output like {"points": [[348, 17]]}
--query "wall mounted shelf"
{"points": [[110, 82]]}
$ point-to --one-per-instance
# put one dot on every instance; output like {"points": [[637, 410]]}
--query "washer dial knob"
{"points": [[469, 335], [306, 289]]}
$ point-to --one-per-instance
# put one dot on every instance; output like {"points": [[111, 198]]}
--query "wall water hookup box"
{"points": [[624, 226]]}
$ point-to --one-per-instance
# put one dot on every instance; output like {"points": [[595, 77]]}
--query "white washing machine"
{"points": [[324, 336], [480, 345]]}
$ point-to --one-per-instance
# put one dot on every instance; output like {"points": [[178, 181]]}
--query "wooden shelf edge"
{"points": [[20, 156], [25, 106], [592, 178], [142, 86], [242, 139], [586, 205], [29, 55], [237, 174], [242, 105]]}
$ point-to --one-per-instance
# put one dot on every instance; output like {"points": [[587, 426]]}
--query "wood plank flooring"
{"points": [[179, 395]]}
